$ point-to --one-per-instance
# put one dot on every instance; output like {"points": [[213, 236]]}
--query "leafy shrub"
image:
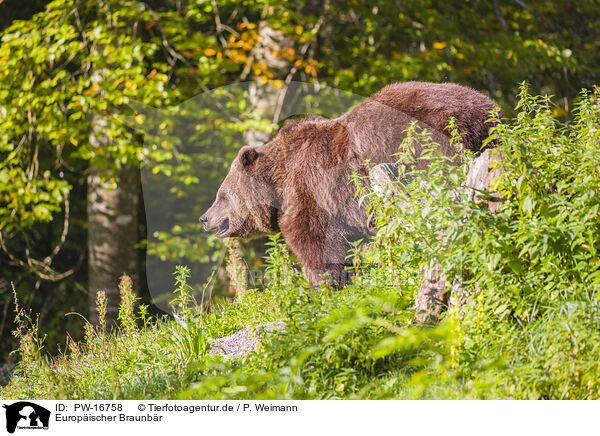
{"points": [[530, 327]]}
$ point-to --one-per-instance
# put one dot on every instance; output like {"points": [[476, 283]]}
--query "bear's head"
{"points": [[247, 202]]}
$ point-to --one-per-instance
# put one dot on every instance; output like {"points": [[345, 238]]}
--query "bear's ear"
{"points": [[248, 155]]}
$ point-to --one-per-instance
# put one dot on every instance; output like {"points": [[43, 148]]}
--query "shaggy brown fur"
{"points": [[299, 182]]}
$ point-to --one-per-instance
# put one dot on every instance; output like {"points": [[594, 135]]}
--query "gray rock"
{"points": [[6, 373], [243, 341]]}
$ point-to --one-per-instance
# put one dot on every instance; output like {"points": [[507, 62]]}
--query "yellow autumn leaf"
{"points": [[495, 182], [88, 92], [299, 30], [558, 112], [210, 52], [139, 118], [439, 45], [74, 141]]}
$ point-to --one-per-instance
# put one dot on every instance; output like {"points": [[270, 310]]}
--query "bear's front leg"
{"points": [[321, 259], [335, 274]]}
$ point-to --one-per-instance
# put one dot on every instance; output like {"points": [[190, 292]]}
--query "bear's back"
{"points": [[434, 103], [380, 120]]}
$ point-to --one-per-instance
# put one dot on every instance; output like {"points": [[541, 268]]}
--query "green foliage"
{"points": [[182, 291], [126, 308], [147, 362], [535, 261], [530, 269]]}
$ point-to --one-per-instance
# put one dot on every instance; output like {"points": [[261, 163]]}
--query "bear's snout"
{"points": [[210, 223]]}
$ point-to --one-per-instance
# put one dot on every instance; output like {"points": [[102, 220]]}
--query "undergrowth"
{"points": [[530, 327]]}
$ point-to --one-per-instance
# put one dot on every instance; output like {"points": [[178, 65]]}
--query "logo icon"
{"points": [[26, 415]]}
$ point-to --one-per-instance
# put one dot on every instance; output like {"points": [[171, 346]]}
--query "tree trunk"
{"points": [[112, 229], [433, 297]]}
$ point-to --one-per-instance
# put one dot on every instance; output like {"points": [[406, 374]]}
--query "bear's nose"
{"points": [[203, 220]]}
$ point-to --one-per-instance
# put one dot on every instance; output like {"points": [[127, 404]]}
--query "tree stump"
{"points": [[482, 171], [432, 298]]}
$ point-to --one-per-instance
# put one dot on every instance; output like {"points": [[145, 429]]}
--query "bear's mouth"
{"points": [[223, 228]]}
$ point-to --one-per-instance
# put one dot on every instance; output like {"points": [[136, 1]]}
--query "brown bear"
{"points": [[299, 183]]}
